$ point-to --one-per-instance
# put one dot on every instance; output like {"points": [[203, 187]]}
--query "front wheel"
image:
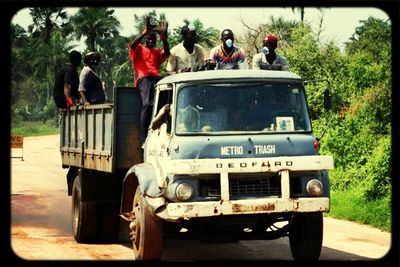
{"points": [[305, 236], [146, 231]]}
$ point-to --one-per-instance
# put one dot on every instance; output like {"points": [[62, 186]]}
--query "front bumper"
{"points": [[225, 206], [187, 210]]}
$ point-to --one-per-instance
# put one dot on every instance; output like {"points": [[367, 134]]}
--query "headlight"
{"points": [[314, 188], [184, 191]]}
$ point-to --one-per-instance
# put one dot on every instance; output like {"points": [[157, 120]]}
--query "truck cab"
{"points": [[230, 155]]}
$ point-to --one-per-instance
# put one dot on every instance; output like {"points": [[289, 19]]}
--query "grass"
{"points": [[349, 205], [34, 128]]}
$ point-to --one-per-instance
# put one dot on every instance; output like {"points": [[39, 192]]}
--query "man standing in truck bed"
{"points": [[67, 81], [226, 55], [146, 60], [90, 86], [268, 59], [188, 55]]}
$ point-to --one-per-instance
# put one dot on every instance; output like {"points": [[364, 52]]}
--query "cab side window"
{"points": [[165, 98]]}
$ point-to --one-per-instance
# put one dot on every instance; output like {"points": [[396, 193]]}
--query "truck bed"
{"points": [[103, 137]]}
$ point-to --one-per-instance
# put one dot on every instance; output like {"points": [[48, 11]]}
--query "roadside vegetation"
{"points": [[34, 128], [356, 131], [350, 205]]}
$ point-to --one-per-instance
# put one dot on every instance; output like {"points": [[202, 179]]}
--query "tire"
{"points": [[305, 236], [83, 215], [109, 222], [146, 231]]}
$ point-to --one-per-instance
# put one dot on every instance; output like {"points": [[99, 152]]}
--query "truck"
{"points": [[230, 155]]}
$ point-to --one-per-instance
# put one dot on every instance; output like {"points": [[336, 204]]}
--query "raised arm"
{"points": [[162, 30], [139, 38]]}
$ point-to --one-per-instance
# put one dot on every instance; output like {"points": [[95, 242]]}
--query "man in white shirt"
{"points": [[268, 59], [187, 55]]}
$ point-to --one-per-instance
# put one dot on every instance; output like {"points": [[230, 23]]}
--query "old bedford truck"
{"points": [[230, 155]]}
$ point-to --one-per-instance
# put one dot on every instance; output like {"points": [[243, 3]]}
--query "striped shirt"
{"points": [[236, 59]]}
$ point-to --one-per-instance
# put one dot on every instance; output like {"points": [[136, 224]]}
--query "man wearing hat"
{"points": [[90, 87], [268, 59], [187, 55]]}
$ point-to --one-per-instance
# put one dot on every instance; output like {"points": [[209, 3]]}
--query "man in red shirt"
{"points": [[146, 60]]}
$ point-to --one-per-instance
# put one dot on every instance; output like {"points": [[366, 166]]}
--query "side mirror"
{"points": [[327, 99]]}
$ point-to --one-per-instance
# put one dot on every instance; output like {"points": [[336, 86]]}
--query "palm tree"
{"points": [[115, 65], [140, 20], [302, 12], [19, 61], [206, 37], [18, 36], [45, 20], [60, 48], [95, 23]]}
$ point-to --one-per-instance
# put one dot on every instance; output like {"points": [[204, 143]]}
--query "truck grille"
{"points": [[240, 187], [261, 186]]}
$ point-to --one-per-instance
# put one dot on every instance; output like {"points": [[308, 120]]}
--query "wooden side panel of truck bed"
{"points": [[103, 137]]}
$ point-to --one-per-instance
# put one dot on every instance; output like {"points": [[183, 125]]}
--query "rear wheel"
{"points": [[146, 231], [305, 235], [83, 215]]}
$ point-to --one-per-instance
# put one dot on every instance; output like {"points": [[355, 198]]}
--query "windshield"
{"points": [[254, 107]]}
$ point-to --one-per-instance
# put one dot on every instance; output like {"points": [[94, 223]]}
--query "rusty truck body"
{"points": [[230, 155]]}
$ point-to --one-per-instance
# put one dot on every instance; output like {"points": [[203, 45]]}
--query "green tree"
{"points": [[373, 37], [251, 39], [206, 37], [139, 21], [36, 57], [359, 137], [314, 60], [95, 23], [60, 48], [19, 36], [19, 46], [45, 21], [369, 66], [301, 11], [115, 67]]}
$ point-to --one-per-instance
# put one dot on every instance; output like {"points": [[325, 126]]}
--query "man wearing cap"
{"points": [[268, 59], [187, 55]]}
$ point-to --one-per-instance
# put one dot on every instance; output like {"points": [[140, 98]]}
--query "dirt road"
{"points": [[40, 223]]}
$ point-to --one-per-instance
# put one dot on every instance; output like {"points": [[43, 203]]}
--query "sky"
{"points": [[338, 23]]}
